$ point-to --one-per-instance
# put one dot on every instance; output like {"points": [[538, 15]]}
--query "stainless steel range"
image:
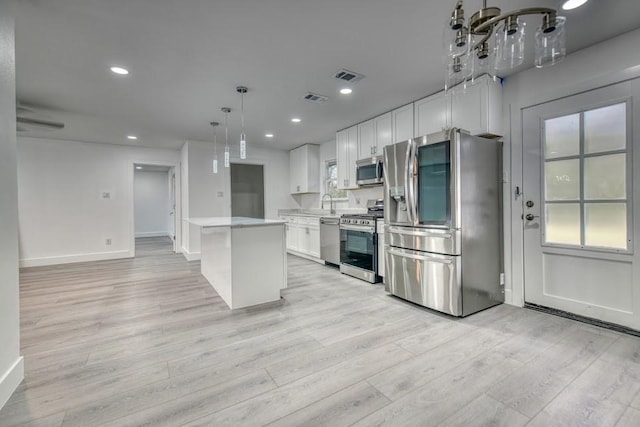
{"points": [[359, 243]]}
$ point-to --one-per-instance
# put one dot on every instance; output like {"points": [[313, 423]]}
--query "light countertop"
{"points": [[236, 221]]}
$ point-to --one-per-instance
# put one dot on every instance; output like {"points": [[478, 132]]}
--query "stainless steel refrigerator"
{"points": [[443, 222]]}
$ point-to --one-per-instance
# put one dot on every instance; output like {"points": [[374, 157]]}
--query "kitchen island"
{"points": [[244, 259]]}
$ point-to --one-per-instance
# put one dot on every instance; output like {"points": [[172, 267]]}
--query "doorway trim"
{"points": [[175, 166], [514, 155]]}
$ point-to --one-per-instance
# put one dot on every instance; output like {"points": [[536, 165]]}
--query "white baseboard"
{"points": [[10, 380], [191, 256], [305, 256], [153, 234], [67, 259]]}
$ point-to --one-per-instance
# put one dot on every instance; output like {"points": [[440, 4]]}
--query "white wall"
{"points": [[151, 203], [63, 215], [605, 63], [209, 193], [11, 364]]}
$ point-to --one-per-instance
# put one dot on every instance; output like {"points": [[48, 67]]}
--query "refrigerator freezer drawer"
{"points": [[430, 280], [440, 241]]}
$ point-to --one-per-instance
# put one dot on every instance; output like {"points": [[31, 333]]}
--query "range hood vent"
{"points": [[348, 76], [314, 97]]}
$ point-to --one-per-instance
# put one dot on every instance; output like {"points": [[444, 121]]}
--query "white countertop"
{"points": [[236, 221]]}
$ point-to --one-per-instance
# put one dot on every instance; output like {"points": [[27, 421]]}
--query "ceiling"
{"points": [[187, 56]]}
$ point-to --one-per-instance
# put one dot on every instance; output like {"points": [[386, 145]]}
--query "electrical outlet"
{"points": [[106, 195], [220, 194], [357, 200], [107, 242]]}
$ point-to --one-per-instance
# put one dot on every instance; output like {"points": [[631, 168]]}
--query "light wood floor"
{"points": [[146, 341]]}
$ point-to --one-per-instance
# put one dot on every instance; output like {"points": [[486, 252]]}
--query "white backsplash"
{"points": [[355, 199], [358, 198]]}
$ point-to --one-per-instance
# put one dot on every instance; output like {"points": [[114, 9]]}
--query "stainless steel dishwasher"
{"points": [[330, 240]]}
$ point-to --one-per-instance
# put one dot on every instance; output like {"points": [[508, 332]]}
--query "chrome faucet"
{"points": [[332, 209]]}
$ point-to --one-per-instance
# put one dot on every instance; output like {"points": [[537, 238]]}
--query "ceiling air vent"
{"points": [[314, 97], [348, 76]]}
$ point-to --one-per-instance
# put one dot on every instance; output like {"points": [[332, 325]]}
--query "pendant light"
{"points": [[468, 38], [215, 147], [243, 138], [226, 111]]}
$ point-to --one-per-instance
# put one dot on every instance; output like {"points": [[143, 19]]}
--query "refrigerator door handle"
{"points": [[409, 185], [419, 233], [406, 254]]}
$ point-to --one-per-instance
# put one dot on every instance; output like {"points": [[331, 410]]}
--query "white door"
{"points": [[172, 208], [579, 203]]}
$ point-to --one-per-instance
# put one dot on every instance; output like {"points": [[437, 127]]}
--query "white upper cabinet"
{"points": [[402, 119], [374, 135], [478, 108], [346, 156], [304, 169], [384, 133], [431, 114], [367, 139]]}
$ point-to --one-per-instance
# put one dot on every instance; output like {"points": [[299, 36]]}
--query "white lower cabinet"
{"points": [[303, 235]]}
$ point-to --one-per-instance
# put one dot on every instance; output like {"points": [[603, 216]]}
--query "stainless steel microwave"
{"points": [[369, 171]]}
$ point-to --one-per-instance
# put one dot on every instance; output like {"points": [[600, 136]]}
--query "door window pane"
{"points": [[605, 129], [563, 223], [434, 189], [606, 225], [605, 177], [562, 180], [562, 136]]}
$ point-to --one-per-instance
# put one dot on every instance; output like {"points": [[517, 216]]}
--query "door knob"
{"points": [[529, 203], [530, 217]]}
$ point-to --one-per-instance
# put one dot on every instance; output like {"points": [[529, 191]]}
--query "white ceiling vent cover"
{"points": [[348, 76], [314, 97]]}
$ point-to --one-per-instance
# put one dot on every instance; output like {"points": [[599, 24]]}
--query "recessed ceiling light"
{"points": [[269, 135], [120, 70], [572, 4], [132, 137], [138, 167], [345, 91], [296, 120]]}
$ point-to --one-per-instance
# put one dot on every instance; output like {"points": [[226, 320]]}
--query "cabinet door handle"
{"points": [[298, 188]]}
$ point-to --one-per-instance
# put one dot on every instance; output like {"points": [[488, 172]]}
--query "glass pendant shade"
{"points": [[509, 42], [214, 164], [550, 46], [243, 137], [226, 156], [455, 43], [243, 146]]}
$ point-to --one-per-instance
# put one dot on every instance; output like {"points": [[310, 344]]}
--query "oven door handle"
{"points": [[402, 230], [406, 254], [362, 228]]}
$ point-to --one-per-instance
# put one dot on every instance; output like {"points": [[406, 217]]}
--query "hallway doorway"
{"points": [[247, 190], [154, 209]]}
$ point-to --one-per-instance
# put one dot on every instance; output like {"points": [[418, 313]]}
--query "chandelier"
{"points": [[491, 42]]}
